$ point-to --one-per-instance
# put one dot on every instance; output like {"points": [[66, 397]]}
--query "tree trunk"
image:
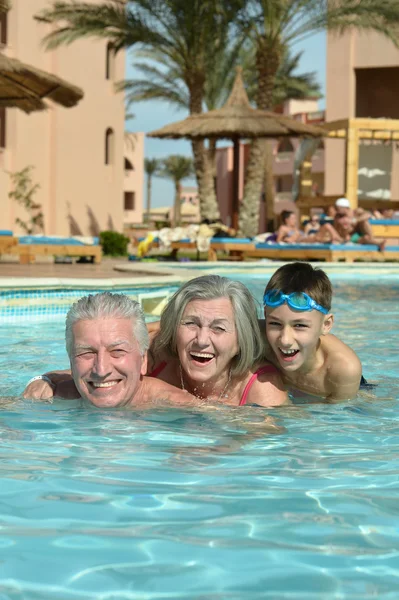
{"points": [[267, 63], [149, 182], [176, 210], [212, 158], [249, 212], [209, 207], [203, 170], [269, 189]]}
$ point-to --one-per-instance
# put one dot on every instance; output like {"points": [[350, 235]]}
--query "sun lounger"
{"points": [[328, 252], [385, 228], [7, 241], [235, 247], [30, 246]]}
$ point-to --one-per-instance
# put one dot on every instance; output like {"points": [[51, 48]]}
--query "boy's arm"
{"points": [[343, 377]]}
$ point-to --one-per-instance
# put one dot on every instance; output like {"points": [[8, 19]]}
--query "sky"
{"points": [[155, 114]]}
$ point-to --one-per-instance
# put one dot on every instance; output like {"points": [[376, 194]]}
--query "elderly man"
{"points": [[107, 342]]}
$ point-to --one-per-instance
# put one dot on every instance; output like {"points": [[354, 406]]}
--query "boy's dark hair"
{"points": [[302, 277]]}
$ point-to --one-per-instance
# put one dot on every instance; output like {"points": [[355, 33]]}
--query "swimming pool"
{"points": [[177, 504]]}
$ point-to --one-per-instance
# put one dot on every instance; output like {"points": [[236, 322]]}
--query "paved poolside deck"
{"points": [[74, 271]]}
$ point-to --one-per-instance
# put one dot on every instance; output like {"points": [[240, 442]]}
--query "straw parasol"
{"points": [[237, 119], [24, 87]]}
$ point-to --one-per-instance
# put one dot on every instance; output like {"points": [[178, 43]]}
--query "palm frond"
{"points": [[156, 84], [176, 167], [311, 16], [112, 20], [151, 166]]}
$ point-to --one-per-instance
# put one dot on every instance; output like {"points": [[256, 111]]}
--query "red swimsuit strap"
{"points": [[254, 377], [158, 369]]}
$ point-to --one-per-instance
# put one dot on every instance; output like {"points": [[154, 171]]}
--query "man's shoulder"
{"points": [[158, 390]]}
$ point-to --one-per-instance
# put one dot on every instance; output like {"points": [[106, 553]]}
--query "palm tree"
{"points": [[151, 168], [274, 25], [161, 80], [288, 85], [187, 33], [177, 168]]}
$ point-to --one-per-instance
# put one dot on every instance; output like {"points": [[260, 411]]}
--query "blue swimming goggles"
{"points": [[296, 300]]}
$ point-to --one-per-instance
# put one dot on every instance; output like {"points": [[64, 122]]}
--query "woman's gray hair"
{"points": [[211, 287], [108, 305]]}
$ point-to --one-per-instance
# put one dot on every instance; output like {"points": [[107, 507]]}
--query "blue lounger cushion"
{"points": [[141, 239], [346, 247], [227, 240], [384, 221], [55, 241], [222, 240], [6, 232]]}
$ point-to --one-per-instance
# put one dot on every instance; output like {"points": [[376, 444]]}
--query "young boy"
{"points": [[312, 361]]}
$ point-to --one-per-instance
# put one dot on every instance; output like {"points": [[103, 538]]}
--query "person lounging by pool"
{"points": [[210, 345], [107, 342], [289, 232], [297, 307]]}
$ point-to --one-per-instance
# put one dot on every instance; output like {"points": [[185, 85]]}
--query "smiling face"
{"points": [[294, 335], [106, 362], [207, 340]]}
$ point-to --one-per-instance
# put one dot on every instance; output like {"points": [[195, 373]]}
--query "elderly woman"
{"points": [[209, 344]]}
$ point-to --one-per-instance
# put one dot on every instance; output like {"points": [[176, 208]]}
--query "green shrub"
{"points": [[114, 243]]}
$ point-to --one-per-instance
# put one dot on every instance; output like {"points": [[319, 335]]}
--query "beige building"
{"points": [[363, 81], [133, 178], [78, 153]]}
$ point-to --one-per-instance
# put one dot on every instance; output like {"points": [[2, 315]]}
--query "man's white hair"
{"points": [[109, 306]]}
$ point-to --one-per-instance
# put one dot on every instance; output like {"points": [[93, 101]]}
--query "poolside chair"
{"points": [[328, 252], [30, 246], [385, 228], [8, 241], [234, 247]]}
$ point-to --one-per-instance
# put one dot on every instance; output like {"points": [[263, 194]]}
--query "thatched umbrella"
{"points": [[237, 119], [24, 87]]}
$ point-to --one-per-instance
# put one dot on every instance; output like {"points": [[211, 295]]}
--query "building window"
{"points": [[128, 165], [109, 146], [2, 127], [110, 62], [130, 198], [3, 28]]}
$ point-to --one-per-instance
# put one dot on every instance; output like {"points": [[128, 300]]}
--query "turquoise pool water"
{"points": [[174, 504]]}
